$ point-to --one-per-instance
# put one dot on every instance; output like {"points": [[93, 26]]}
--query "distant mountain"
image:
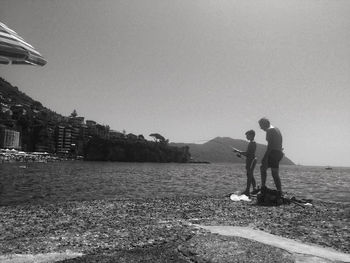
{"points": [[218, 150]]}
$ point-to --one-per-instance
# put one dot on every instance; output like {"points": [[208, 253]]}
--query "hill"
{"points": [[218, 150], [25, 124]]}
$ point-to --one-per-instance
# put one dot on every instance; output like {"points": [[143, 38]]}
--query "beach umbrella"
{"points": [[15, 50]]}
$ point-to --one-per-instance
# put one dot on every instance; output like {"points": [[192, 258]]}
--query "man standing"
{"points": [[273, 154]]}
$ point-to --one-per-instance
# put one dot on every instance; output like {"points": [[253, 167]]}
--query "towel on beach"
{"points": [[236, 198]]}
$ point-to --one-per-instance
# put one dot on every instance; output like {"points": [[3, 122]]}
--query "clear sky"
{"points": [[194, 70]]}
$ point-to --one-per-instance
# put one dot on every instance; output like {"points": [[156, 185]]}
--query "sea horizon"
{"points": [[82, 180]]}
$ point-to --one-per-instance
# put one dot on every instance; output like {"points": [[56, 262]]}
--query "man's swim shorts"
{"points": [[274, 159]]}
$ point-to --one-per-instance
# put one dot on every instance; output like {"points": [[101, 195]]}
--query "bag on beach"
{"points": [[269, 197]]}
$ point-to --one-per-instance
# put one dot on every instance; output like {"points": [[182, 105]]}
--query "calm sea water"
{"points": [[61, 181]]}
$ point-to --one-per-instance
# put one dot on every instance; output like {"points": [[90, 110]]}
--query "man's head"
{"points": [[264, 123], [250, 135]]}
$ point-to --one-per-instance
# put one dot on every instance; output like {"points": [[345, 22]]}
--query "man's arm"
{"points": [[268, 149]]}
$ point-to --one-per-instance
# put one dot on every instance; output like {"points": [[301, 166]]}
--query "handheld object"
{"points": [[235, 150]]}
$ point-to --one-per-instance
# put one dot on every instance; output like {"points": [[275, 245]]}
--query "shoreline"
{"points": [[102, 227], [16, 156]]}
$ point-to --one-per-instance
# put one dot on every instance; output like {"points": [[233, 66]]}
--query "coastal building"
{"points": [[69, 139], [90, 123], [75, 134], [91, 128], [76, 121], [41, 148], [77, 140], [60, 139], [45, 141], [102, 131], [95, 129], [67, 142], [83, 132], [9, 139], [114, 135]]}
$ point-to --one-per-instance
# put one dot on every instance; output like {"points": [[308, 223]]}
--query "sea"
{"points": [[24, 183]]}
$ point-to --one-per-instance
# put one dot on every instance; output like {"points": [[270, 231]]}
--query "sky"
{"points": [[195, 70]]}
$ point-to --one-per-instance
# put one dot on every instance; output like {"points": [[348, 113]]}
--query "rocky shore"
{"points": [[164, 230], [12, 156]]}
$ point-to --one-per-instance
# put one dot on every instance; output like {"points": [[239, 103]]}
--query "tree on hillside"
{"points": [[74, 114], [158, 138]]}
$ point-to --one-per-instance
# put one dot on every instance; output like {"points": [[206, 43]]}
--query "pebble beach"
{"points": [[164, 229]]}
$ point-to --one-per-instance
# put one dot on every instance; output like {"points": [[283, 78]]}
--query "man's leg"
{"points": [[276, 178], [263, 172]]}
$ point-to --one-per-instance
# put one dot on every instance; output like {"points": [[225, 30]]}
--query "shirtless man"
{"points": [[273, 154]]}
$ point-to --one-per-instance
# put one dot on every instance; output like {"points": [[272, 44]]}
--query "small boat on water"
{"points": [[328, 168]]}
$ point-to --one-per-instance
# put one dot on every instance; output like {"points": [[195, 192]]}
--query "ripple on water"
{"points": [[63, 181]]}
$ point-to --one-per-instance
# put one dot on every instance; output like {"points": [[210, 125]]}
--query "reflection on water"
{"points": [[37, 182]]}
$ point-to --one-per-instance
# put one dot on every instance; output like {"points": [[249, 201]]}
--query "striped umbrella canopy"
{"points": [[15, 50]]}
